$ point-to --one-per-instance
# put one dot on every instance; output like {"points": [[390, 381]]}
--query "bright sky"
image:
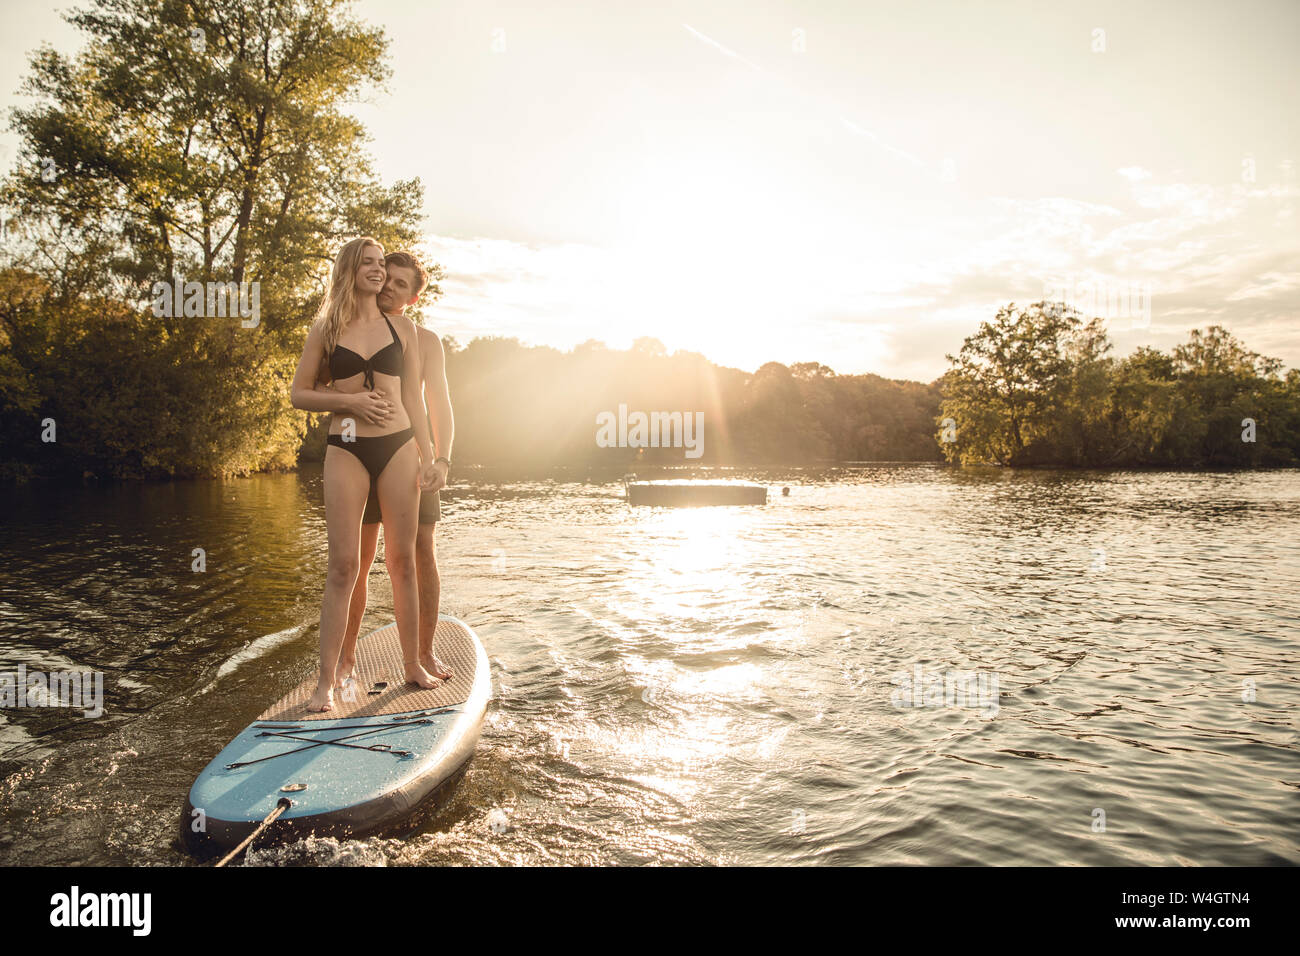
{"points": [[858, 183]]}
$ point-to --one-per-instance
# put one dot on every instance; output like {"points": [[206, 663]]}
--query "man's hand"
{"points": [[429, 475], [440, 478], [373, 406]]}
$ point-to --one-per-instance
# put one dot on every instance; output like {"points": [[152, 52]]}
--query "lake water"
{"points": [[716, 685]]}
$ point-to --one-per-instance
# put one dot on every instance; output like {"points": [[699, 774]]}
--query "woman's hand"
{"points": [[373, 406]]}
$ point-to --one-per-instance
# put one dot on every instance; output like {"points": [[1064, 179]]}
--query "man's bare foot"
{"points": [[416, 674], [322, 700], [347, 670], [435, 667]]}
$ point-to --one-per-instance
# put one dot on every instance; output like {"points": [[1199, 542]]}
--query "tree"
{"points": [[650, 347], [1230, 384], [1077, 432], [203, 141], [209, 139], [1009, 377], [1149, 423]]}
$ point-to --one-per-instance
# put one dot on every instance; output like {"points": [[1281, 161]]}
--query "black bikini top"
{"points": [[344, 363]]}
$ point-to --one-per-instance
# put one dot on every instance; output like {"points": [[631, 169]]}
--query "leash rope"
{"points": [[284, 803]]}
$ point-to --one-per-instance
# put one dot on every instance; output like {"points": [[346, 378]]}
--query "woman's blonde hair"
{"points": [[340, 302]]}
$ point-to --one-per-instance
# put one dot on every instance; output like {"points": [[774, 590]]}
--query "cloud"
{"points": [[1197, 253], [1267, 286]]}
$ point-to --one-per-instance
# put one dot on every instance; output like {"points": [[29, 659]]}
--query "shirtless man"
{"points": [[406, 280]]}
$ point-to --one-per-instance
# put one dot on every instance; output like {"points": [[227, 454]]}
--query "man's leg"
{"points": [[361, 590], [430, 583]]}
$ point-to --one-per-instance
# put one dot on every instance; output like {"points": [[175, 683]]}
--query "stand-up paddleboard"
{"points": [[357, 769]]}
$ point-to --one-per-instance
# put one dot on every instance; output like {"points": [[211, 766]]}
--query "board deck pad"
{"points": [[379, 658]]}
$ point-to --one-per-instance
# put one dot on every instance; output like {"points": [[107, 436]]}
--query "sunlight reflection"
{"points": [[688, 559]]}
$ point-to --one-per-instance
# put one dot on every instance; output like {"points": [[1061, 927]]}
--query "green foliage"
{"points": [[1009, 379], [1035, 388], [205, 141]]}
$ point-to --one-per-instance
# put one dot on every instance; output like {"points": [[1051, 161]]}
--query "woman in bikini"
{"points": [[370, 440]]}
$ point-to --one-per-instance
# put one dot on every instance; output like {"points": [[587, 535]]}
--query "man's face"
{"points": [[399, 289]]}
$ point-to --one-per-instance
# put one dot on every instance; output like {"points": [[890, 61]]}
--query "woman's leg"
{"points": [[357, 605], [399, 500], [346, 485]]}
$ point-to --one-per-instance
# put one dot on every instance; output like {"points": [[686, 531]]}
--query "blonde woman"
{"points": [[374, 400]]}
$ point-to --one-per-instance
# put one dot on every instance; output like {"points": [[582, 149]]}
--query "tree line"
{"points": [[1036, 386], [534, 406], [202, 146]]}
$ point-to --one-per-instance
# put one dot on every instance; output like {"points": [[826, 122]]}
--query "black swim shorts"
{"points": [[430, 508]]}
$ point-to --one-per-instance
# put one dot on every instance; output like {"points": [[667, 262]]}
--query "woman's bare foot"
{"points": [[322, 700], [435, 667], [416, 674]]}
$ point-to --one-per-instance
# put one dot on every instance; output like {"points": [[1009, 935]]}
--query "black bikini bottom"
{"points": [[374, 452]]}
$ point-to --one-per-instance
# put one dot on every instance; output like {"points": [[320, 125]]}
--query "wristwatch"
{"points": [[443, 458]]}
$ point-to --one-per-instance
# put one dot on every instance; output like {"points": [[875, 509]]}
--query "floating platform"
{"points": [[685, 494]]}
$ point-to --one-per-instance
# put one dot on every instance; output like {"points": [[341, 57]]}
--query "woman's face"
{"points": [[370, 272]]}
